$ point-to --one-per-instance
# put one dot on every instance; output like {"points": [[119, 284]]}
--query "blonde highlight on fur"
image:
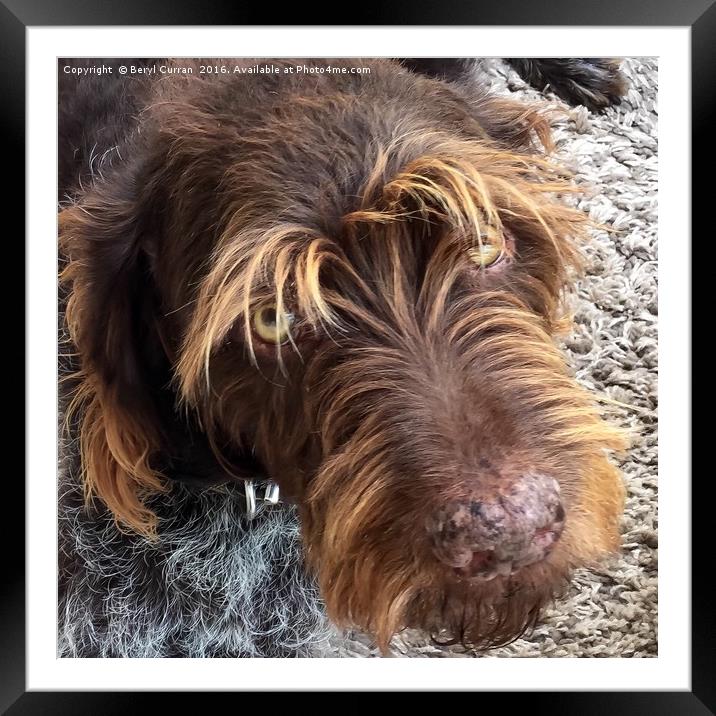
{"points": [[463, 185]]}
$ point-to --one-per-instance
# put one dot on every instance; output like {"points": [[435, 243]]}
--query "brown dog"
{"points": [[349, 284]]}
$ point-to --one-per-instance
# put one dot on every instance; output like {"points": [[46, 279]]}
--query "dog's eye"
{"points": [[487, 254], [490, 249], [271, 326]]}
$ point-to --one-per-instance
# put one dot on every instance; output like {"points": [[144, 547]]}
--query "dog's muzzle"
{"points": [[487, 536]]}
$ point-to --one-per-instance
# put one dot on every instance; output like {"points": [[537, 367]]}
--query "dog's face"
{"points": [[354, 284]]}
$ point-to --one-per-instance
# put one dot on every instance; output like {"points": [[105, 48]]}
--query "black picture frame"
{"points": [[700, 15]]}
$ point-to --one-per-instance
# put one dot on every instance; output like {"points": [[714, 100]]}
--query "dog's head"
{"points": [[353, 284]]}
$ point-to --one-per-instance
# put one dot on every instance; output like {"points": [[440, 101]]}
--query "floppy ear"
{"points": [[123, 370]]}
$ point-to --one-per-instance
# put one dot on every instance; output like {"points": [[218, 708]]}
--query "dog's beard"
{"points": [[372, 577], [364, 531], [395, 450]]}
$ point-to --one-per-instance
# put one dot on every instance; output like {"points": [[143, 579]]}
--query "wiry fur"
{"points": [[214, 586], [413, 376]]}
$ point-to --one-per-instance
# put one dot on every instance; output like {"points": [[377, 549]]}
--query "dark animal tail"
{"points": [[595, 83]]}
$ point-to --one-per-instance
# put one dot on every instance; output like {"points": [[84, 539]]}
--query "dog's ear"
{"points": [[123, 370]]}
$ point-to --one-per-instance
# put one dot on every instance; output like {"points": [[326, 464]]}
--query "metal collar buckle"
{"points": [[258, 494]]}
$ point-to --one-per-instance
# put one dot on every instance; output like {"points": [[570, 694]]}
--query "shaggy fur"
{"points": [[214, 586], [414, 374]]}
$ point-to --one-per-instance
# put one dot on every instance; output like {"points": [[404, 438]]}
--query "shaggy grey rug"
{"points": [[613, 348]]}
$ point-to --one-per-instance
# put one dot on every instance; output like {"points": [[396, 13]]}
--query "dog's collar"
{"points": [[258, 493]]}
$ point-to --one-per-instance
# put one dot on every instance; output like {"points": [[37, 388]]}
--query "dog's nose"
{"points": [[487, 536]]}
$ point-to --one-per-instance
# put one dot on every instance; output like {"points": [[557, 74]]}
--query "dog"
{"points": [[341, 287]]}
